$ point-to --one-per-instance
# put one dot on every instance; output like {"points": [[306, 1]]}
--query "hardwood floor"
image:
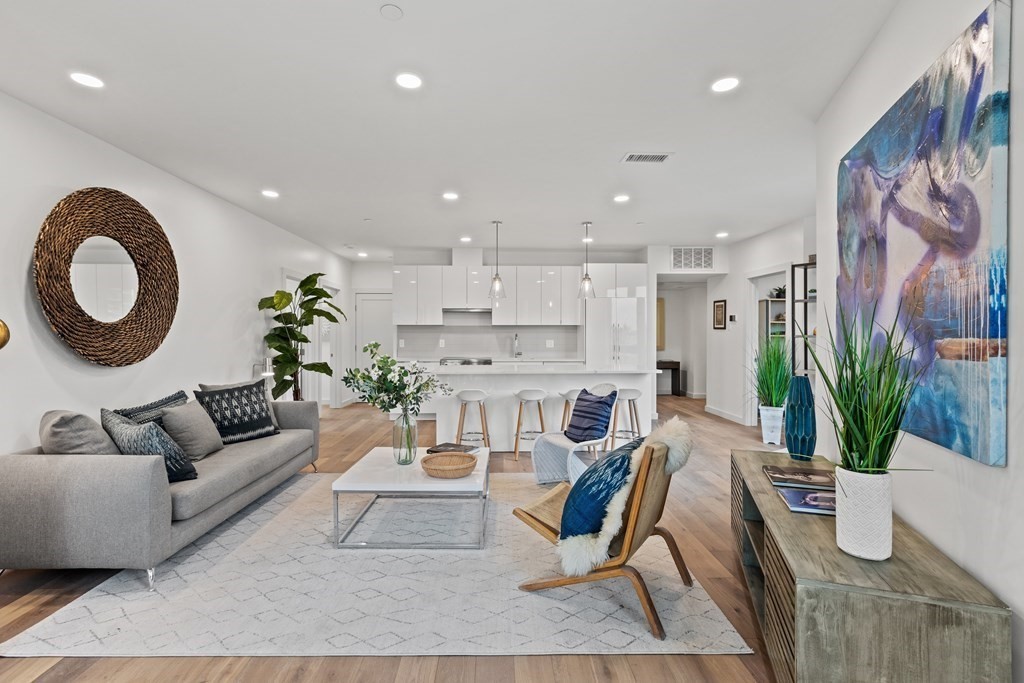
{"points": [[697, 514]]}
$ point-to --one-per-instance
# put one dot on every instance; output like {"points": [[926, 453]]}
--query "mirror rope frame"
{"points": [[104, 212]]}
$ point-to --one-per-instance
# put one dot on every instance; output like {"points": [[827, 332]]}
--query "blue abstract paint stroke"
{"points": [[997, 295]]}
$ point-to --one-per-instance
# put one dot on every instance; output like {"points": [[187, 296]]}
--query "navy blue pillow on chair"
{"points": [[584, 509], [590, 416]]}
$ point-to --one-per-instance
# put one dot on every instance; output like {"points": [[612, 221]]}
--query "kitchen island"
{"points": [[503, 379]]}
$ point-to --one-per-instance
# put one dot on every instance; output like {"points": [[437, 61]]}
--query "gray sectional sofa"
{"points": [[119, 511]]}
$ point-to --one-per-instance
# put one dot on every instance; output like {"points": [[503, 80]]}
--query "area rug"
{"points": [[269, 582]]}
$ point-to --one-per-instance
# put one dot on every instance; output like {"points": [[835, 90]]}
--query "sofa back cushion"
{"points": [[192, 428], [240, 413], [64, 432], [590, 416]]}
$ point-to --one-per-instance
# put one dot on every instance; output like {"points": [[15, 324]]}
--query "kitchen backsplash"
{"points": [[424, 343]]}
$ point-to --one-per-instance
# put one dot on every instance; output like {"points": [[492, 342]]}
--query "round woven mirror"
{"points": [[102, 212]]}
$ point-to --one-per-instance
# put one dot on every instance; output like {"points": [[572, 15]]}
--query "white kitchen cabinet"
{"points": [[616, 334], [478, 286], [551, 295], [572, 305], [503, 311], [603, 277], [404, 297], [453, 287], [428, 295], [528, 293], [631, 280]]}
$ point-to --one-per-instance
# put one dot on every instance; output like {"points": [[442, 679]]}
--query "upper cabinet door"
{"points": [[600, 334], [631, 280], [551, 295], [572, 305], [503, 311], [603, 276], [528, 293], [428, 296], [404, 295], [478, 285], [630, 338], [453, 287]]}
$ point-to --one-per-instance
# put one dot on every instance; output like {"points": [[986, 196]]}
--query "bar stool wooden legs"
{"points": [[526, 397], [570, 402], [627, 397], [465, 398]]}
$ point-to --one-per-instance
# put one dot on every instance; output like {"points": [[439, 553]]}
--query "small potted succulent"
{"points": [[771, 383], [869, 386]]}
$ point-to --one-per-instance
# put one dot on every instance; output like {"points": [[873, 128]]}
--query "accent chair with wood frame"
{"points": [[644, 508]]}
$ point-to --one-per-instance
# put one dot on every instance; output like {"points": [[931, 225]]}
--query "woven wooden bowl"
{"points": [[448, 465]]}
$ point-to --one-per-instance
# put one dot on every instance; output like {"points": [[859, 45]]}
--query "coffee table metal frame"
{"points": [[482, 495]]}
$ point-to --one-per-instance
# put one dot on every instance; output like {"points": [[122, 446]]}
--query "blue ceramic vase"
{"points": [[801, 430]]}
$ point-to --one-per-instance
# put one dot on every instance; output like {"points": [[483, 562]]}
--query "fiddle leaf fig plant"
{"points": [[294, 312]]}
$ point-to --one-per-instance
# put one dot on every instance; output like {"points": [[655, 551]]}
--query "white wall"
{"points": [[227, 259], [685, 338], [974, 513], [371, 276], [729, 351]]}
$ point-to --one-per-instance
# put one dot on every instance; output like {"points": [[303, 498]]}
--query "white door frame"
{"points": [[337, 361], [750, 412]]}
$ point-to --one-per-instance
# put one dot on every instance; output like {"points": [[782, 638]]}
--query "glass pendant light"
{"points": [[497, 286], [586, 284]]}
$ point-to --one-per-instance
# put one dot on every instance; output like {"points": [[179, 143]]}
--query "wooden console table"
{"points": [[678, 376], [828, 616]]}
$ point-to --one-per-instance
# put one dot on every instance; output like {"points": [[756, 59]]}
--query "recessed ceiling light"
{"points": [[640, 223], [391, 12], [721, 235], [272, 194], [367, 220], [408, 81], [451, 196], [362, 254], [725, 84], [397, 271], [88, 80], [465, 239], [588, 239], [621, 198]]}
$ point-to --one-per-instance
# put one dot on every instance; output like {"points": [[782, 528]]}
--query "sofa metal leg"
{"points": [[314, 467], [151, 578]]}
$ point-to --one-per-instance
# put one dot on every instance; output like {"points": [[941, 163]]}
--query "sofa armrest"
{"points": [[300, 415], [83, 511]]}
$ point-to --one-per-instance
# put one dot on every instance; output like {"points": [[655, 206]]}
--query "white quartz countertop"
{"points": [[528, 368]]}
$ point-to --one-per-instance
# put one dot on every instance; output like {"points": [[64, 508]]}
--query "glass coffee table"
{"points": [[378, 475]]}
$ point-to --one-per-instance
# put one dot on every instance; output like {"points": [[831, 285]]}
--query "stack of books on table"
{"points": [[453, 448], [804, 489]]}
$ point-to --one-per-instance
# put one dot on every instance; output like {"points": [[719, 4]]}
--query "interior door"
{"points": [[373, 324]]}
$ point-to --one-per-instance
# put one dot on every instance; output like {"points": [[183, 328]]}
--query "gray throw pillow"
{"points": [[148, 439], [64, 432], [266, 385], [191, 428]]}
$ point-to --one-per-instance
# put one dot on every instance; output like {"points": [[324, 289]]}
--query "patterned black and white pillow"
{"points": [[148, 439], [240, 413], [153, 412]]}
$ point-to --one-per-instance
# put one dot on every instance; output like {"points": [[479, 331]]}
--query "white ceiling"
{"points": [[527, 108]]}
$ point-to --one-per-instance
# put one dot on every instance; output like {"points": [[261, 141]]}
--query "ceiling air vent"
{"points": [[693, 258], [645, 158]]}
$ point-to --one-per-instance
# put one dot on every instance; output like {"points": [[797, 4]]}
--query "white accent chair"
{"points": [[556, 456]]}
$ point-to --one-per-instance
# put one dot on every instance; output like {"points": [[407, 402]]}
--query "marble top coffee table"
{"points": [[378, 474]]}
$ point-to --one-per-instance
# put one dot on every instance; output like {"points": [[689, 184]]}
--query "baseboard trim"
{"points": [[694, 394], [723, 413]]}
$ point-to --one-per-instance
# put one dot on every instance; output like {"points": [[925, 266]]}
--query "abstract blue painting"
{"points": [[923, 235]]}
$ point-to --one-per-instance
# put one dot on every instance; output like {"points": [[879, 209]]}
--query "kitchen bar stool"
{"points": [[466, 397], [570, 401], [627, 397], [527, 397]]}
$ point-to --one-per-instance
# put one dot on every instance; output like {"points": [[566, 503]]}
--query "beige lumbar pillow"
{"points": [[192, 428]]}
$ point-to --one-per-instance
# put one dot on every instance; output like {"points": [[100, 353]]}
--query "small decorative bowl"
{"points": [[448, 465]]}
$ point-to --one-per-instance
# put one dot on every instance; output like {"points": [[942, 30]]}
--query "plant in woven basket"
{"points": [[294, 312]]}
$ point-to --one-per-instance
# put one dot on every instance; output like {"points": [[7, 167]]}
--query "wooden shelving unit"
{"points": [[768, 310], [829, 616]]}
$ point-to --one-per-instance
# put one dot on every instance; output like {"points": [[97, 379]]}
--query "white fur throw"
{"points": [[580, 554]]}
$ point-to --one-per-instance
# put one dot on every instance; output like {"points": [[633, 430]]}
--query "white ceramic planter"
{"points": [[771, 424], [864, 514]]}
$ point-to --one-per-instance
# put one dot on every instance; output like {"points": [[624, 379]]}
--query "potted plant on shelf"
{"points": [[869, 386], [294, 312], [388, 385], [771, 383]]}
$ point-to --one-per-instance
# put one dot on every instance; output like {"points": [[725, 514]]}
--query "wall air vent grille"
{"points": [[645, 158], [693, 258]]}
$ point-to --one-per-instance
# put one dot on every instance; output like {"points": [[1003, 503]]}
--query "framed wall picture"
{"points": [[718, 315]]}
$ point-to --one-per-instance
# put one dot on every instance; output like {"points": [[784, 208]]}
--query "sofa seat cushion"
{"points": [[234, 467]]}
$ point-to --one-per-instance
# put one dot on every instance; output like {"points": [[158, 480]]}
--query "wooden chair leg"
{"points": [[677, 556], [645, 601], [565, 415], [634, 418], [615, 424], [519, 428], [540, 413], [483, 425], [462, 422]]}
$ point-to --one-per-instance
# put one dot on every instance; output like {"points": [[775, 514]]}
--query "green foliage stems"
{"points": [[772, 372]]}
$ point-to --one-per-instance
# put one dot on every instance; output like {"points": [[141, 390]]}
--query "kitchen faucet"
{"points": [[515, 346]]}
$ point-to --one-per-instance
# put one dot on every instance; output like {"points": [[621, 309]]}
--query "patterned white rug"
{"points": [[269, 582]]}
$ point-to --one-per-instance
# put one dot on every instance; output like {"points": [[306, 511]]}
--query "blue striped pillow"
{"points": [[590, 416]]}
